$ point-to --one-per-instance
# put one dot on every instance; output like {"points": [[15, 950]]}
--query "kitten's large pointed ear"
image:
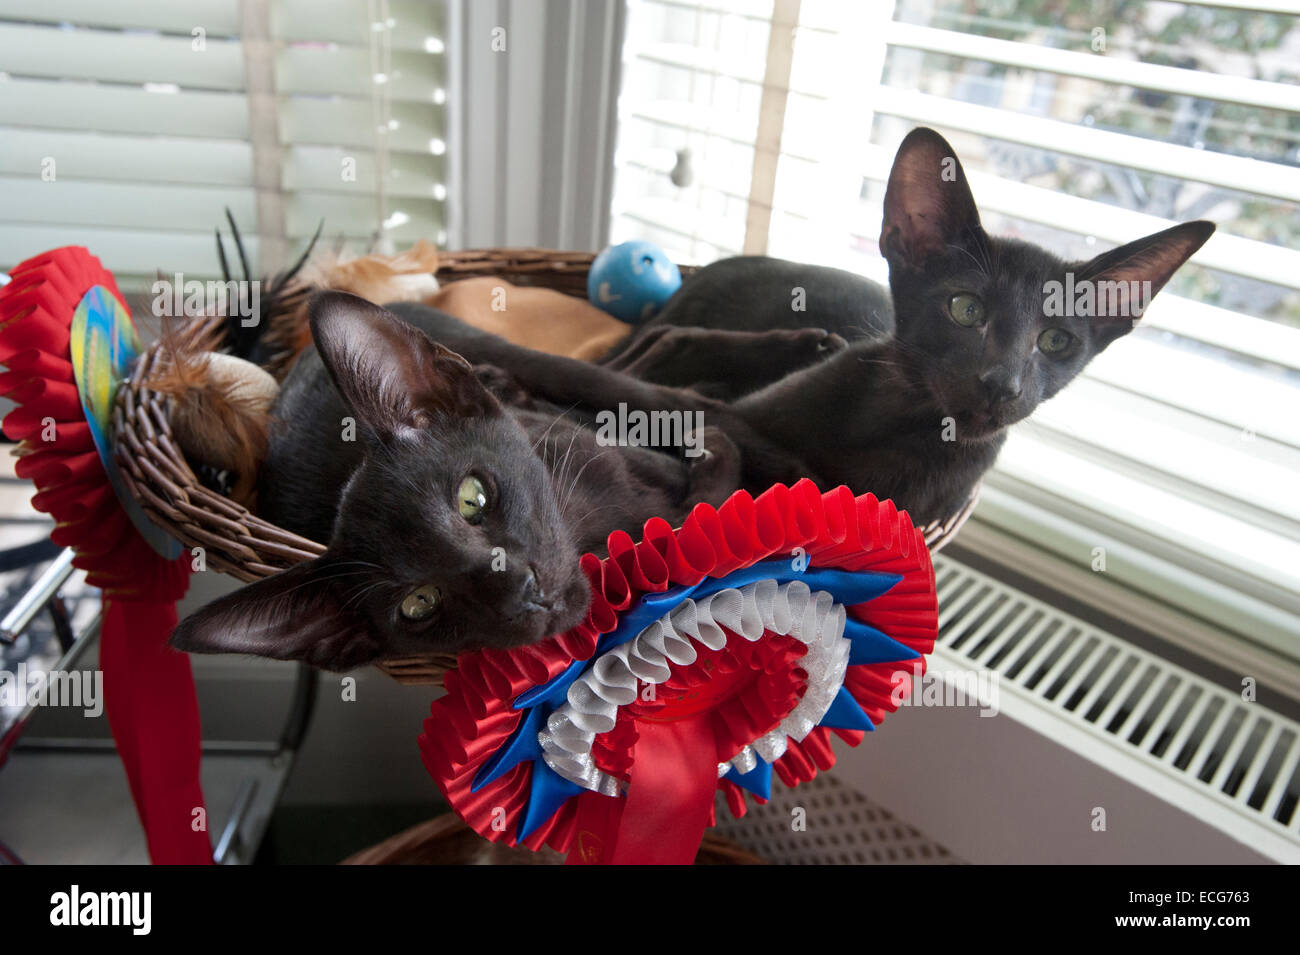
{"points": [[928, 203], [1118, 277], [1153, 258], [299, 614], [392, 374]]}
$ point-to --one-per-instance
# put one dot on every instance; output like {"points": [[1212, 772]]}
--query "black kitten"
{"points": [[977, 331], [439, 504]]}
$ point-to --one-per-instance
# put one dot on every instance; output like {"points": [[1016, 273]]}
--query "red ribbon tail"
{"points": [[596, 830], [670, 797], [153, 712]]}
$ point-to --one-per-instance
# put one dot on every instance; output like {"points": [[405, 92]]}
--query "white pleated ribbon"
{"points": [[791, 609]]}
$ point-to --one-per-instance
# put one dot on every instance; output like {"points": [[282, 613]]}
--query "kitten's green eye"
{"points": [[1053, 341], [472, 499], [966, 310], [421, 602]]}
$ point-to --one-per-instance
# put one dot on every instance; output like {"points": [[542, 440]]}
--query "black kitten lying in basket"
{"points": [[453, 521], [916, 402]]}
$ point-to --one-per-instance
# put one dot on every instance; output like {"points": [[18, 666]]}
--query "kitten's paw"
{"points": [[644, 341], [503, 386], [832, 343], [811, 343]]}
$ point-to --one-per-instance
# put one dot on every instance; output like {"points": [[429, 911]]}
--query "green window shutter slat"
{"points": [[52, 104], [349, 23], [349, 123], [128, 205], [111, 56], [216, 17], [345, 71], [354, 216], [320, 169], [100, 156]]}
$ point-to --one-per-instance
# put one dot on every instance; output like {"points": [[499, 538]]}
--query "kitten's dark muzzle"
{"points": [[531, 596], [572, 601], [1000, 387], [541, 610]]}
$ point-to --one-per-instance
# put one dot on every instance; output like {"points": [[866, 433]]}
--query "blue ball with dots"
{"points": [[632, 280]]}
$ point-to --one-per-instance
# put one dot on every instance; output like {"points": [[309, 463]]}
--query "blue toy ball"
{"points": [[632, 281]]}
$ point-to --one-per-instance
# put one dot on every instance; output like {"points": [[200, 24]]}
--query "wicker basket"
{"points": [[446, 840], [239, 543]]}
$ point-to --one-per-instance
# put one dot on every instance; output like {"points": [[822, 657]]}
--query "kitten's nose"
{"points": [[531, 596], [1000, 386]]}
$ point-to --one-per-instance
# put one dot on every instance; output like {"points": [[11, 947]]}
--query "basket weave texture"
{"points": [[446, 840], [238, 542]]}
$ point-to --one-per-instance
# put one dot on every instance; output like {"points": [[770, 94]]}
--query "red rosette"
{"points": [[148, 687], [745, 689], [36, 311]]}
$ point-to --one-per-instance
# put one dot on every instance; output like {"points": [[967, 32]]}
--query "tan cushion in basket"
{"points": [[536, 318]]}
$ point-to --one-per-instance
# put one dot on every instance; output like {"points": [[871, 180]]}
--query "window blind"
{"points": [[1175, 459], [128, 127], [687, 118]]}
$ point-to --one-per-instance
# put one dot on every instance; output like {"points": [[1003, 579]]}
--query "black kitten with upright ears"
{"points": [[972, 335], [442, 523], [454, 521]]}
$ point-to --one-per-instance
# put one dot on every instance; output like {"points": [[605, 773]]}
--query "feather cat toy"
{"points": [[220, 408]]}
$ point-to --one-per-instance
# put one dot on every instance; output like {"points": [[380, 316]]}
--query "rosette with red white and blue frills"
{"points": [[713, 656], [59, 449], [66, 340]]}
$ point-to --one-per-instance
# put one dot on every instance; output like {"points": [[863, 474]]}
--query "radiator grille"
{"points": [[1238, 751]]}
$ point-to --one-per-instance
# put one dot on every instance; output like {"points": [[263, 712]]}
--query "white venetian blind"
{"points": [[128, 127], [691, 92], [1081, 126]]}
